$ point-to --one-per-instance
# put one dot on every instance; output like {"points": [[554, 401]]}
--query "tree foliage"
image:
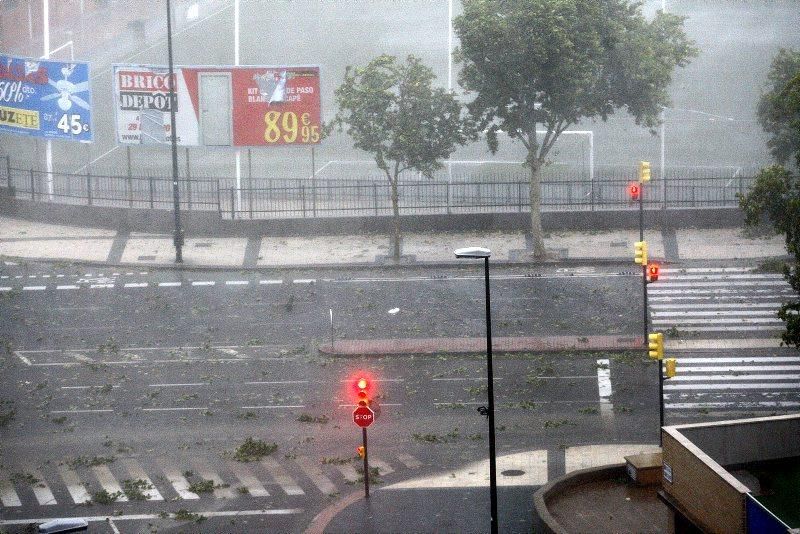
{"points": [[779, 107], [555, 63], [775, 194], [392, 111]]}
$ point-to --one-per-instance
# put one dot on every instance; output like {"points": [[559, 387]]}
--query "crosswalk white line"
{"points": [[740, 328], [744, 299], [280, 477], [740, 359], [709, 270], [742, 405], [8, 496], [771, 385], [137, 473], [735, 368], [221, 490], [178, 482], [314, 472], [409, 461], [714, 313], [719, 305], [700, 378], [716, 277], [254, 486], [108, 482], [74, 485], [348, 472], [383, 467], [41, 490], [743, 320], [722, 283]]}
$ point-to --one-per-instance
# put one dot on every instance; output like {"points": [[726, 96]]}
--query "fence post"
{"points": [[448, 198], [8, 171], [591, 195], [375, 197], [130, 177], [219, 199], [303, 199], [152, 190], [519, 197], [233, 203], [33, 186], [188, 180], [89, 186]]}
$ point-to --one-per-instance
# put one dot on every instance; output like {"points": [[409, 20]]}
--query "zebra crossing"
{"points": [[749, 384], [726, 299], [162, 479]]}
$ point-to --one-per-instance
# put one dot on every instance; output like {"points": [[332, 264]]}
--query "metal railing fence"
{"points": [[291, 198]]}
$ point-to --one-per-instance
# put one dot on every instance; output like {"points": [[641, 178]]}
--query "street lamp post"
{"points": [[178, 237], [477, 252]]}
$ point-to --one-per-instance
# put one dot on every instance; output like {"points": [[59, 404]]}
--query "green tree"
{"points": [[555, 63], [779, 107], [392, 111], [775, 194]]}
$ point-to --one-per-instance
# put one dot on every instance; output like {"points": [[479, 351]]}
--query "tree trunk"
{"points": [[396, 219], [537, 234]]}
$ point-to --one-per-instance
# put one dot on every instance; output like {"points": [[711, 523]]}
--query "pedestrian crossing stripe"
{"points": [[81, 483]]}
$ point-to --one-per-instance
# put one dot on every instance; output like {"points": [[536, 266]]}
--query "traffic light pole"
{"points": [[366, 462], [644, 322], [490, 392]]}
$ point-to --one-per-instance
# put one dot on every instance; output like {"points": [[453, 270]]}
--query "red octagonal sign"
{"points": [[363, 416]]}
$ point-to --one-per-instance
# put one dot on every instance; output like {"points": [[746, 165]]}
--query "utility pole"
{"points": [[178, 237]]}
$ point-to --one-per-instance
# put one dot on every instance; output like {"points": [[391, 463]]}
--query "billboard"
{"points": [[218, 106], [43, 98]]}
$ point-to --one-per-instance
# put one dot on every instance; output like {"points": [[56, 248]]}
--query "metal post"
{"points": [[8, 172], [448, 197], [250, 182], [313, 182], [152, 190], [178, 237], [366, 462], [130, 176], [233, 203], [303, 198], [188, 180], [33, 186], [89, 186], [375, 197], [490, 377]]}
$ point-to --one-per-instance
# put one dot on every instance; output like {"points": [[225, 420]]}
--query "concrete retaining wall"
{"points": [[210, 223]]}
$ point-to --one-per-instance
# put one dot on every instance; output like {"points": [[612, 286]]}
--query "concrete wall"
{"points": [[751, 440], [710, 496], [210, 223]]}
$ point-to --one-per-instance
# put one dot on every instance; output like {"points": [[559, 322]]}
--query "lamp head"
{"points": [[473, 252]]}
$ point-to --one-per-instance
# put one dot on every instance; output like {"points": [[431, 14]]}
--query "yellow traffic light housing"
{"points": [[671, 365], [640, 252], [655, 345], [644, 171]]}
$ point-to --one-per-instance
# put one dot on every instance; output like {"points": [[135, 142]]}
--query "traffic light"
{"points": [[652, 272], [363, 397], [360, 450], [644, 171], [671, 364], [655, 345], [634, 191], [640, 252]]}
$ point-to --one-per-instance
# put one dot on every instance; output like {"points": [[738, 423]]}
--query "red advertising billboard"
{"points": [[219, 106]]}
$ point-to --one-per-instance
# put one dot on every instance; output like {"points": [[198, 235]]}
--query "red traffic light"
{"points": [[652, 272], [634, 191], [361, 387]]}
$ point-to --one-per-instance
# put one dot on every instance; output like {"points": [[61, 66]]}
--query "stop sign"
{"points": [[363, 416]]}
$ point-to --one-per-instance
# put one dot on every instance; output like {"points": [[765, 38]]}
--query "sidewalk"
{"points": [[33, 241]]}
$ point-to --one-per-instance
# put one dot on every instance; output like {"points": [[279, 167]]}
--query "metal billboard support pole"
{"points": [[178, 237]]}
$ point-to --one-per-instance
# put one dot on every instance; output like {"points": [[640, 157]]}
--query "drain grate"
{"points": [[513, 473]]}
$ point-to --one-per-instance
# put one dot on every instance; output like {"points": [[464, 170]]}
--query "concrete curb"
{"points": [[546, 523]]}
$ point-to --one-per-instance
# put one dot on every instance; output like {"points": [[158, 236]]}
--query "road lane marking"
{"points": [[5, 289], [221, 490], [383, 467], [773, 386], [742, 359], [179, 483], [8, 496], [204, 283], [270, 282], [691, 313], [143, 284], [101, 286], [737, 305], [137, 473], [313, 471], [700, 378], [67, 287], [74, 485], [41, 490], [105, 410], [735, 368], [276, 382], [169, 284], [690, 321], [109, 483], [178, 385], [34, 288], [267, 407], [248, 480], [304, 281], [740, 405], [604, 378], [348, 472], [280, 476], [236, 282], [147, 517], [409, 461], [182, 409]]}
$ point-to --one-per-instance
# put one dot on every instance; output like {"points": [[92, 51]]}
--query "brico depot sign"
{"points": [[218, 106]]}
